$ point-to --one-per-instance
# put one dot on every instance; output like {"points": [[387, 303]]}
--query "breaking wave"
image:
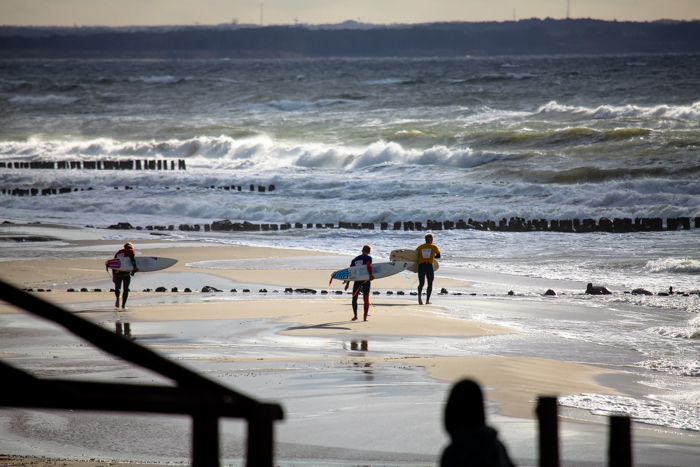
{"points": [[48, 99], [650, 412], [687, 112]]}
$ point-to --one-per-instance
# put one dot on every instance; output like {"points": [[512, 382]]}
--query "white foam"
{"points": [[673, 265], [687, 112], [167, 79], [48, 99], [650, 412]]}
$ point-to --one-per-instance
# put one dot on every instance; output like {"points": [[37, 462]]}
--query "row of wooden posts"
{"points": [[63, 190], [127, 164], [604, 224]]}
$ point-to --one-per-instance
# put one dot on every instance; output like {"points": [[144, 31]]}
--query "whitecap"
{"points": [[48, 99], [384, 81], [603, 112], [672, 265], [167, 79]]}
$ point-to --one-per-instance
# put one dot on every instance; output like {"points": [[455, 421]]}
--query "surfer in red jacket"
{"points": [[123, 278], [363, 259]]}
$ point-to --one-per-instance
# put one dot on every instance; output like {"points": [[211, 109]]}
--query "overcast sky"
{"points": [[160, 12]]}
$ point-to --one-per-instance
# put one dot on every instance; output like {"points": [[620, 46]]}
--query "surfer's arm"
{"points": [[437, 255], [133, 262], [369, 270]]}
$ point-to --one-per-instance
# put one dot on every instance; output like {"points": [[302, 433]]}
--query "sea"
{"points": [[397, 139]]}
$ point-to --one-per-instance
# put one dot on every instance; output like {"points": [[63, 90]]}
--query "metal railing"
{"points": [[202, 399]]}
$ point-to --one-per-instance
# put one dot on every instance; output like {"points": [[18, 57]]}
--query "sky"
{"points": [[276, 12]]}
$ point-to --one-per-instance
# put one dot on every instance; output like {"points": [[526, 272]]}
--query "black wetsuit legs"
{"points": [[425, 270]]}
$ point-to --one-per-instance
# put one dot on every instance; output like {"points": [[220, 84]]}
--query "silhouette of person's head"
{"points": [[465, 406]]}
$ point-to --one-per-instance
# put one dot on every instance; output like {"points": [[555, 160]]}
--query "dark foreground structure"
{"points": [[202, 399]]}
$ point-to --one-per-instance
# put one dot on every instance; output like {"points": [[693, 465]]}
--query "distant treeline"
{"points": [[525, 37]]}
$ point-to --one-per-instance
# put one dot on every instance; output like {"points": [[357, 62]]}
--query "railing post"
{"points": [[205, 441], [620, 448], [261, 437], [549, 431]]}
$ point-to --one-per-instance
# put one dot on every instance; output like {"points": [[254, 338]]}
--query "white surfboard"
{"points": [[143, 263], [412, 256], [379, 270]]}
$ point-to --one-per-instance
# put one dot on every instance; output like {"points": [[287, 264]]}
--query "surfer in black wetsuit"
{"points": [[363, 259], [123, 278], [427, 252]]}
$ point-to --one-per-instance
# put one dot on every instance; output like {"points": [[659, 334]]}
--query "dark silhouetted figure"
{"points": [[473, 443]]}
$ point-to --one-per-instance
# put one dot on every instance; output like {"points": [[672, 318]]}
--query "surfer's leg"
{"points": [[421, 282], [125, 295], [117, 286], [355, 292], [430, 273], [365, 296]]}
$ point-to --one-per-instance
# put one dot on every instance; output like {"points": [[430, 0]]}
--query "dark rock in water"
{"points": [[510, 292], [208, 288], [262, 291], [641, 291], [550, 292], [400, 293], [323, 292], [376, 292], [84, 290], [161, 289], [121, 226], [146, 290], [472, 294], [246, 290], [187, 289], [288, 290], [389, 292], [597, 289], [234, 290], [94, 290], [174, 289], [339, 292], [456, 293], [70, 290], [305, 290], [443, 291], [662, 294]]}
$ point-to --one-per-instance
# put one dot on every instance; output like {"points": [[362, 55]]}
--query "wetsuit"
{"points": [[426, 253], [123, 278], [363, 285]]}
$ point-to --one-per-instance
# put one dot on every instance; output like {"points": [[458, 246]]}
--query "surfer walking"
{"points": [[123, 278], [363, 259], [427, 252]]}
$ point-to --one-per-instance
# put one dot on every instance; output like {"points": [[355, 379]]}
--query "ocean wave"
{"points": [[167, 79], [13, 82], [260, 152], [645, 411], [673, 266], [681, 112], [384, 81], [291, 106], [48, 99]]}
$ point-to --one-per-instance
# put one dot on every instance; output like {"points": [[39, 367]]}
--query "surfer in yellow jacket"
{"points": [[427, 252]]}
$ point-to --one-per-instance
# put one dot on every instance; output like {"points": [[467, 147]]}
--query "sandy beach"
{"points": [[256, 340]]}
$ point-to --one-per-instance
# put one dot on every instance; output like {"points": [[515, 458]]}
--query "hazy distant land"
{"points": [[352, 39]]}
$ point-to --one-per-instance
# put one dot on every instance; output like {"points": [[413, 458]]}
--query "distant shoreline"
{"points": [[455, 39]]}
